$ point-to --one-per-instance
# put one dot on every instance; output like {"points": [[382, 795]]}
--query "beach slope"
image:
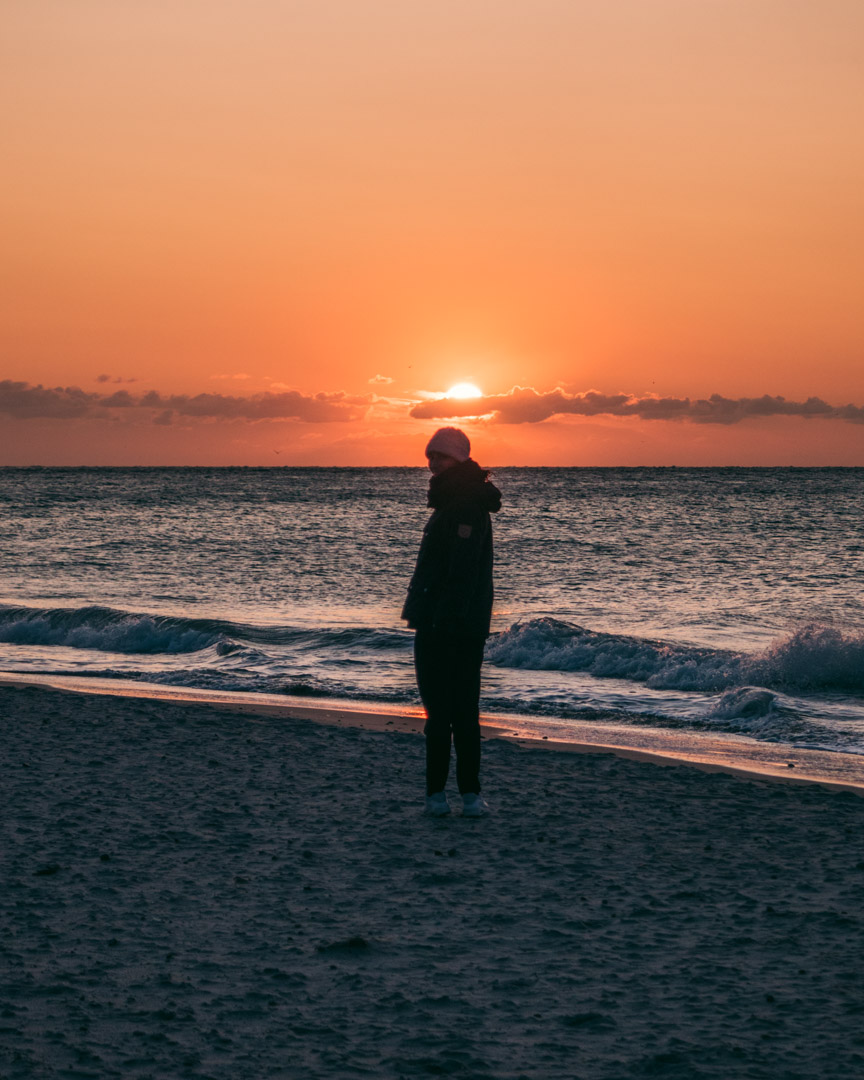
{"points": [[199, 892]]}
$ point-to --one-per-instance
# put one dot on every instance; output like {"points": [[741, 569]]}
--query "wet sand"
{"points": [[738, 755], [203, 890]]}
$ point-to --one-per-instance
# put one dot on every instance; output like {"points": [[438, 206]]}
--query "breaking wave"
{"points": [[110, 630], [813, 657], [687, 687]]}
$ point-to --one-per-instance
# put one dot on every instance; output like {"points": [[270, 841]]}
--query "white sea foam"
{"points": [[814, 656]]}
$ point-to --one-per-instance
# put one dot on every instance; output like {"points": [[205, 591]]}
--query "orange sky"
{"points": [[276, 200]]}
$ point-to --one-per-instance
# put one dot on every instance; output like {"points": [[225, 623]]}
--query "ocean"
{"points": [[723, 600]]}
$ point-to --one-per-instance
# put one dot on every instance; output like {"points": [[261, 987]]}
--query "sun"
{"points": [[464, 390]]}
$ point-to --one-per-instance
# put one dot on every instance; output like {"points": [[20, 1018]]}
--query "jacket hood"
{"points": [[464, 481]]}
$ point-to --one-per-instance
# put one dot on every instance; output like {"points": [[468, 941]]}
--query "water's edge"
{"points": [[732, 754]]}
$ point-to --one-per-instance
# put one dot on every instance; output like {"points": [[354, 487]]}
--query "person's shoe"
{"points": [[437, 805], [474, 805]]}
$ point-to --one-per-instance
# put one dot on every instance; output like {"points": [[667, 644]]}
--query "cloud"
{"points": [[525, 405], [120, 399], [290, 404], [114, 379], [380, 380], [22, 401]]}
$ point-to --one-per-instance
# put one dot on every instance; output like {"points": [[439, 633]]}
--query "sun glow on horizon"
{"points": [[464, 390]]}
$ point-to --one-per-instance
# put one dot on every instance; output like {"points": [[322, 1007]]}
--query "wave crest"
{"points": [[110, 630], [812, 657], [107, 630]]}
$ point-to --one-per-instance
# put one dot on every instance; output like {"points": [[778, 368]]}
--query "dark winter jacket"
{"points": [[451, 589]]}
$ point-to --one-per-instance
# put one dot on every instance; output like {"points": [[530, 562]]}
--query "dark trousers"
{"points": [[448, 677]]}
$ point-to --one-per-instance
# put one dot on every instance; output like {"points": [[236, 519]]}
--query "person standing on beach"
{"points": [[449, 605]]}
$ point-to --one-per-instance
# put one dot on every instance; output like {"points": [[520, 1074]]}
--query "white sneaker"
{"points": [[437, 805], [474, 805]]}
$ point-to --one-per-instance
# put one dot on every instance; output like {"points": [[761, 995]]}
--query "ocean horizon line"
{"points": [[422, 467]]}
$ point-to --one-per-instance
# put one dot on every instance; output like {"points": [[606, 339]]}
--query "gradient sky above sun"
{"points": [[278, 232]]}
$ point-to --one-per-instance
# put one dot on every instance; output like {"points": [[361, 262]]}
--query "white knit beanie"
{"points": [[450, 441]]}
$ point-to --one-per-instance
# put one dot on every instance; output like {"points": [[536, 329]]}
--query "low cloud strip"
{"points": [[520, 405], [23, 401], [524, 405]]}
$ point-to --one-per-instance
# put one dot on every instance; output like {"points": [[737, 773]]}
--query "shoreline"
{"points": [[740, 756]]}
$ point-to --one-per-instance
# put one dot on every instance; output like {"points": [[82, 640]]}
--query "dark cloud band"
{"points": [[25, 402], [524, 405]]}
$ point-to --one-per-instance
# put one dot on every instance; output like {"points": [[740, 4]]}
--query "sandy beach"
{"points": [[196, 891]]}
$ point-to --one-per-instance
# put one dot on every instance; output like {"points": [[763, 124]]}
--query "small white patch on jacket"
{"points": [[464, 531]]}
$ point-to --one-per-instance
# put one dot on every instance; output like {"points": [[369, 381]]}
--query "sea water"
{"points": [[723, 600]]}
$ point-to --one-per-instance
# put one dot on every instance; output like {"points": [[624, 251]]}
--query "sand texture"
{"points": [[192, 892]]}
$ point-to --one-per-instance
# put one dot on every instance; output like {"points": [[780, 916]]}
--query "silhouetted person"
{"points": [[449, 604]]}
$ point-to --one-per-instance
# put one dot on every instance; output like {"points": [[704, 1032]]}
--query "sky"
{"points": [[279, 232]]}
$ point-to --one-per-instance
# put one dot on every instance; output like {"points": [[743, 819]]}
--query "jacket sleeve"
{"points": [[467, 529]]}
